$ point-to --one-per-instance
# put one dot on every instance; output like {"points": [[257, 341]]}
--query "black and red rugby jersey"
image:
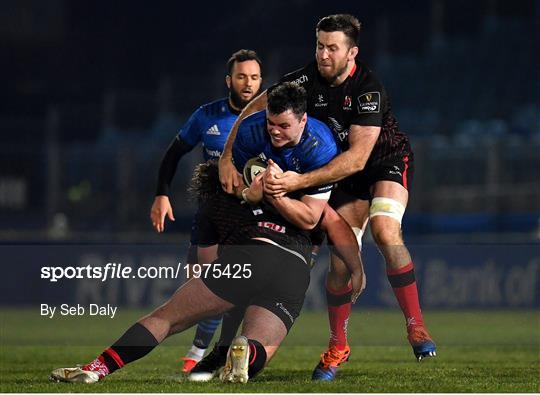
{"points": [[225, 220], [360, 100]]}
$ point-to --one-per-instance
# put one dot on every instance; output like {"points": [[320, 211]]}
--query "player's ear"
{"points": [[228, 81], [353, 51], [304, 119]]}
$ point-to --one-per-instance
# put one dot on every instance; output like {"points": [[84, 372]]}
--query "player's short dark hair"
{"points": [[287, 96], [205, 181], [348, 24], [242, 55]]}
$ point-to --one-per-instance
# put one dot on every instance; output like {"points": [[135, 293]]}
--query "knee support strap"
{"points": [[386, 206]]}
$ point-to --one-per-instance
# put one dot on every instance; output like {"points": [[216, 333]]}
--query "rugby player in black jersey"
{"points": [[255, 253], [374, 175], [218, 221]]}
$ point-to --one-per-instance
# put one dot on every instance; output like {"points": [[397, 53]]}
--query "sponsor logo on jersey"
{"points": [[369, 102], [341, 133], [320, 101], [272, 226], [301, 80], [296, 164], [335, 124], [257, 211], [214, 153], [347, 103], [214, 130], [395, 171]]}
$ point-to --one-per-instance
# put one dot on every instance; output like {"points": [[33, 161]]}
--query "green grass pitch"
{"points": [[477, 352]]}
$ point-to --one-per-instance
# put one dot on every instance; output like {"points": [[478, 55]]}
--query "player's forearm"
{"points": [[296, 212], [342, 166], [257, 104], [362, 139], [167, 169]]}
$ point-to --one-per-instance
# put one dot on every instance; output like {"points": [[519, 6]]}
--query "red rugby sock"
{"points": [[403, 283], [98, 366], [339, 310]]}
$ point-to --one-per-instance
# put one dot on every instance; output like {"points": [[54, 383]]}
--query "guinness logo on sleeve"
{"points": [[369, 102]]}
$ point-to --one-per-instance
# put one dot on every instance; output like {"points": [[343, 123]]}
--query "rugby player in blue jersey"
{"points": [[286, 135], [269, 238], [209, 125], [288, 139]]}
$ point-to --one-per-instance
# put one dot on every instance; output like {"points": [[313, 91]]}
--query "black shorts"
{"points": [[192, 255], [278, 282], [399, 169]]}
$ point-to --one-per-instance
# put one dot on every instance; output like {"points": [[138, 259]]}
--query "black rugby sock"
{"points": [[257, 357], [231, 321], [134, 344]]}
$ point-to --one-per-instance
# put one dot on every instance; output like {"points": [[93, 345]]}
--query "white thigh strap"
{"points": [[358, 232], [386, 206]]}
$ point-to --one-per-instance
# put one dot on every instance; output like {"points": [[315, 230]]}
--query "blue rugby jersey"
{"points": [[316, 148], [210, 125]]}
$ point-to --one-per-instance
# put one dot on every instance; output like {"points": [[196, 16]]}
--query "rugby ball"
{"points": [[252, 169]]}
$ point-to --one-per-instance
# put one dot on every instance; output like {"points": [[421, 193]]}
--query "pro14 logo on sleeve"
{"points": [[369, 102]]}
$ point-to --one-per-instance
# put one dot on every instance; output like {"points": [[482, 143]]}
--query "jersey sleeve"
{"points": [[368, 104], [241, 150], [167, 168], [324, 153], [249, 141], [192, 131]]}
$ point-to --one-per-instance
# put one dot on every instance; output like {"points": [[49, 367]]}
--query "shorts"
{"points": [[399, 169], [192, 255], [197, 238], [278, 282]]}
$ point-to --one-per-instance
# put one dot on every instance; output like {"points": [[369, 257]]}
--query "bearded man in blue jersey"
{"points": [[209, 125]]}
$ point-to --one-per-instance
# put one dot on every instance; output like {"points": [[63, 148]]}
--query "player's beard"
{"points": [[237, 100], [333, 77]]}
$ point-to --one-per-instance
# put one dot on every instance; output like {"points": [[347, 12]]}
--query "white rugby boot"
{"points": [[237, 364], [74, 375]]}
